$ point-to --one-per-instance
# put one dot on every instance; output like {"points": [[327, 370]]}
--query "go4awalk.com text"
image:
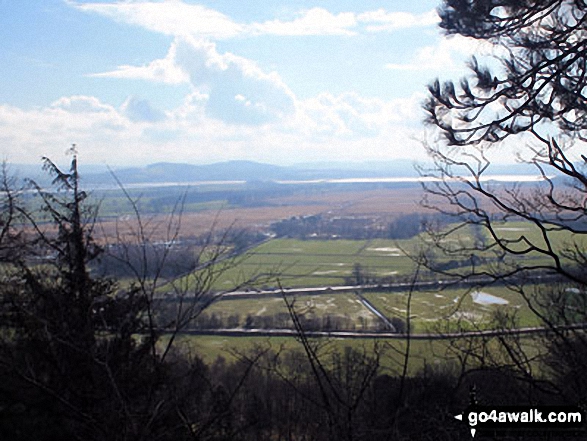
{"points": [[496, 420]]}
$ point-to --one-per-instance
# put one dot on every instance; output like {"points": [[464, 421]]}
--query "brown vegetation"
{"points": [[385, 203]]}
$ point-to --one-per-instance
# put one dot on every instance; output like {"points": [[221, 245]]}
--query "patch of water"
{"points": [[483, 298], [384, 249]]}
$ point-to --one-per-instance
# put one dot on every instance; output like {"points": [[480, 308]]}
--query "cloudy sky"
{"points": [[283, 82]]}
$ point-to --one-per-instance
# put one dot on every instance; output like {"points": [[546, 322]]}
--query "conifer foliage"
{"points": [[76, 358], [527, 101]]}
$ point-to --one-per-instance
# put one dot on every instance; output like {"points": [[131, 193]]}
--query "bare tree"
{"points": [[343, 380], [529, 96], [83, 356]]}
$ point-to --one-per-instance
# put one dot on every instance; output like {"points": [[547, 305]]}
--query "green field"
{"points": [[292, 263], [423, 354], [431, 311], [298, 263], [452, 309], [345, 307], [307, 263]]}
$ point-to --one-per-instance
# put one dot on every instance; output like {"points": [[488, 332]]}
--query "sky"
{"points": [[282, 82]]}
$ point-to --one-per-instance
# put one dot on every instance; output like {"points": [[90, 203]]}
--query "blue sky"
{"points": [[284, 82]]}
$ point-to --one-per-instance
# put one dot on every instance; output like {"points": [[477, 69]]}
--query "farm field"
{"points": [[343, 310], [422, 353], [301, 263], [453, 309], [292, 263], [449, 310], [296, 263], [440, 355], [307, 263], [216, 215], [518, 233]]}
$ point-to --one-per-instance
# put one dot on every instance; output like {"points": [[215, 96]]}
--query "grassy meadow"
{"points": [[439, 355], [293, 263], [311, 263]]}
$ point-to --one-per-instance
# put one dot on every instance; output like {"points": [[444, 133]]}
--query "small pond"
{"points": [[483, 298]]}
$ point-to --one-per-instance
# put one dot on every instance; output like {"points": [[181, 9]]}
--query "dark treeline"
{"points": [[168, 259], [120, 261], [327, 322], [318, 226]]}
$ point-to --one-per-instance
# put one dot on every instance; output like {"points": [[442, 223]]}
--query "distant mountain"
{"points": [[181, 173], [250, 171]]}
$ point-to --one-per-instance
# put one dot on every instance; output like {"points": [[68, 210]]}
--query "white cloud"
{"points": [[353, 116], [233, 88], [29, 134], [192, 108], [81, 104], [315, 21], [347, 126], [237, 90], [170, 17], [176, 18], [137, 109], [383, 21], [448, 54], [234, 108], [163, 70]]}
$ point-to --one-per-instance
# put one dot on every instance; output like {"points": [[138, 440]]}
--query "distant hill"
{"points": [[250, 171], [173, 172], [243, 171]]}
